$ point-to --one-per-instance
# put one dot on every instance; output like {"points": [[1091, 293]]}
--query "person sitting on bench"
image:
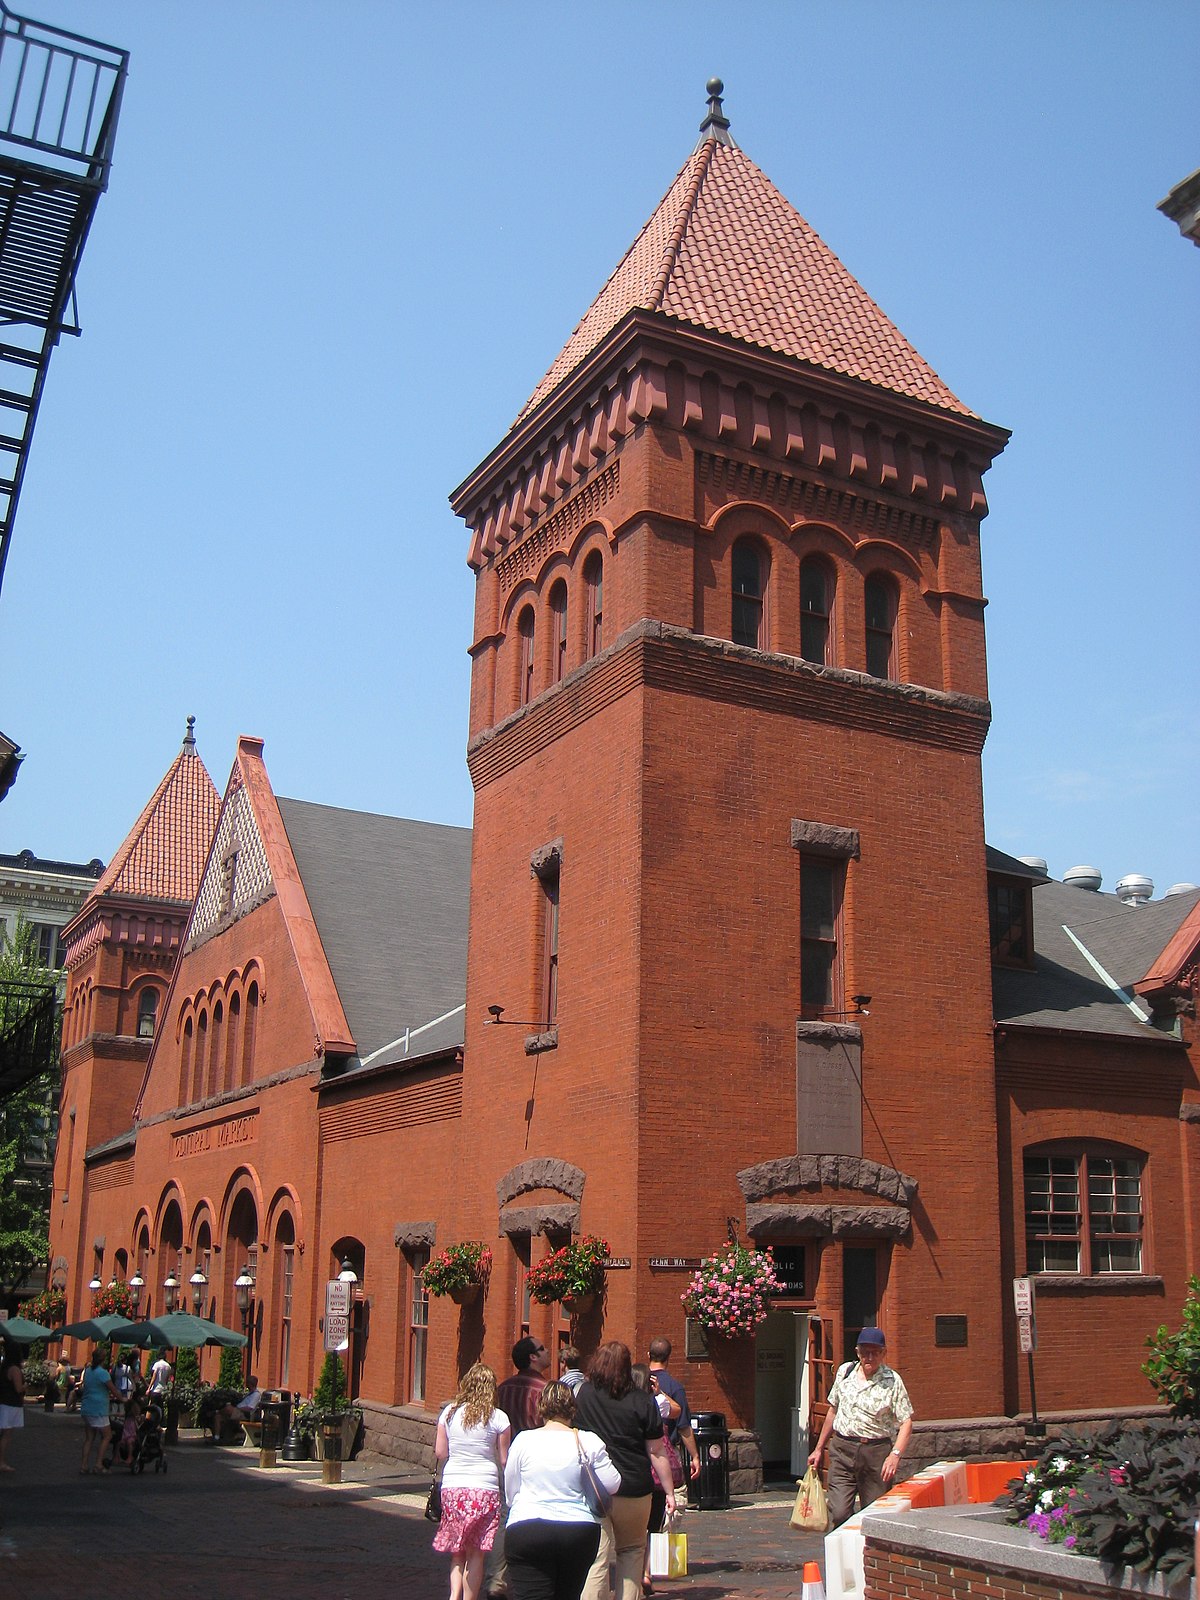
{"points": [[242, 1410]]}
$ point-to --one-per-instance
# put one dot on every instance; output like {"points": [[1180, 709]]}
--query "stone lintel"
{"points": [[543, 1172], [829, 1221], [791, 1174], [824, 839], [537, 1044], [414, 1235], [550, 1218], [546, 861]]}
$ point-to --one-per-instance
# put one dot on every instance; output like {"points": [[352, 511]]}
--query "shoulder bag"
{"points": [[597, 1496]]}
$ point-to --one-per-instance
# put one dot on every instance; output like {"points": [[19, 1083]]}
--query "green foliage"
{"points": [[231, 1372], [1173, 1365], [114, 1300], [49, 1308], [1124, 1494], [333, 1383], [187, 1368], [575, 1269], [457, 1267], [39, 1375], [27, 1120]]}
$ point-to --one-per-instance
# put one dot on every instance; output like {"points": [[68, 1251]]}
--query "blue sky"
{"points": [[341, 245]]}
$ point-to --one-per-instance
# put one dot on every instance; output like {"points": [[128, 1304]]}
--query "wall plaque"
{"points": [[828, 1091]]}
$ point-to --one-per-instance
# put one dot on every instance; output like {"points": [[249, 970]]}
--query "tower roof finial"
{"points": [[716, 123], [189, 738]]}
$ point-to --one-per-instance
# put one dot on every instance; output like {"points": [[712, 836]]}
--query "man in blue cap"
{"points": [[870, 1421]]}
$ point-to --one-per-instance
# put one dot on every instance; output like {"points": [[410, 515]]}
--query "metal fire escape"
{"points": [[60, 96]]}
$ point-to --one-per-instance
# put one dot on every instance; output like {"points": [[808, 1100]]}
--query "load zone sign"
{"points": [[337, 1315]]}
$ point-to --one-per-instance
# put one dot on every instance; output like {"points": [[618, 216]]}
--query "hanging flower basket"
{"points": [[460, 1270], [731, 1292], [578, 1305], [570, 1273]]}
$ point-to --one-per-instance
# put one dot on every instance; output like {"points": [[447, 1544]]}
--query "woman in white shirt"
{"points": [[472, 1439], [552, 1534]]}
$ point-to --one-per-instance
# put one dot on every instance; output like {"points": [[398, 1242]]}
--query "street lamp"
{"points": [[95, 1286], [135, 1286], [244, 1286], [199, 1283], [170, 1291]]}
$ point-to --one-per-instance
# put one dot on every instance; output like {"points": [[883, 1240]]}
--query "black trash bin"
{"points": [[276, 1418], [712, 1444]]}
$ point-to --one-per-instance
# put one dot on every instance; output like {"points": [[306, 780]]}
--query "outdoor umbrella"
{"points": [[91, 1327], [21, 1331], [177, 1330]]}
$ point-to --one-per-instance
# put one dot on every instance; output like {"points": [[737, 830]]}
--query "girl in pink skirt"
{"points": [[472, 1439]]}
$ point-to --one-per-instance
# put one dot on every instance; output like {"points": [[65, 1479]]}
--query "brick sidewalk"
{"points": [[217, 1522]]}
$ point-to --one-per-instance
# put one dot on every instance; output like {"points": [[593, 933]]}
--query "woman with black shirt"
{"points": [[628, 1421]]}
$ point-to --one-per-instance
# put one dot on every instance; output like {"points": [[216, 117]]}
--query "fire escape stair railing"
{"points": [[28, 1033]]}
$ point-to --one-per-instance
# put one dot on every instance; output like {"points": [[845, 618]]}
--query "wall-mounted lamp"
{"points": [[496, 1016], [861, 1002], [135, 1286]]}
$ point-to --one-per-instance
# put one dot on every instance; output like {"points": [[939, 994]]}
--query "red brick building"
{"points": [[729, 962]]}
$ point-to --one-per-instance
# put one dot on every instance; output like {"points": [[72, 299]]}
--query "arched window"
{"points": [[201, 1060], [749, 586], [251, 1028], [232, 1041], [558, 622], [1083, 1210], [879, 606], [213, 1076], [525, 632], [593, 584], [185, 1064], [147, 1012], [816, 611]]}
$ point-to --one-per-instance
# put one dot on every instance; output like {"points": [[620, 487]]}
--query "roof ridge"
{"points": [[686, 211]]}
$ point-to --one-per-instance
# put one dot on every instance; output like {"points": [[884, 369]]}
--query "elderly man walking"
{"points": [[870, 1420]]}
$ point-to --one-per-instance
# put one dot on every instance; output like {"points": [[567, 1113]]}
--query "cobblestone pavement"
{"points": [[217, 1523]]}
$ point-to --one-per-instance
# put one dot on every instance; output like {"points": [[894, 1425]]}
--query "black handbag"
{"points": [[433, 1506], [597, 1496]]}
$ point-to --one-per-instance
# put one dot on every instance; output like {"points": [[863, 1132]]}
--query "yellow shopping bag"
{"points": [[668, 1555], [810, 1511]]}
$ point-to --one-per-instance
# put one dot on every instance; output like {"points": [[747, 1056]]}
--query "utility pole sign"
{"points": [[337, 1315], [1027, 1340]]}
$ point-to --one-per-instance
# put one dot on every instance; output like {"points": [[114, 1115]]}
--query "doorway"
{"points": [[781, 1391]]}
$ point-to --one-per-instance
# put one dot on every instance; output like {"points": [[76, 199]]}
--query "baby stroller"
{"points": [[148, 1446]]}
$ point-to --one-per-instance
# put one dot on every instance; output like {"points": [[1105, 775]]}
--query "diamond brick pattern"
{"points": [[724, 251], [237, 849]]}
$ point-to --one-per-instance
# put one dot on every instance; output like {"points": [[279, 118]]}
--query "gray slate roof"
{"points": [[1063, 989], [390, 899]]}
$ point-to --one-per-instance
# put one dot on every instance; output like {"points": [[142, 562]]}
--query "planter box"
{"points": [[973, 1548], [349, 1434]]}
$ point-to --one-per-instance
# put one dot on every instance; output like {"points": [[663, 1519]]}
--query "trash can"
{"points": [[712, 1445], [276, 1418]]}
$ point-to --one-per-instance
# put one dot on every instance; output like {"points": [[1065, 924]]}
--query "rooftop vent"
{"points": [[1134, 889], [1084, 877], [1181, 888], [1036, 862]]}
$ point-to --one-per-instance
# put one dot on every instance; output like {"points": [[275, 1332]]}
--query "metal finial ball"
{"points": [[714, 86]]}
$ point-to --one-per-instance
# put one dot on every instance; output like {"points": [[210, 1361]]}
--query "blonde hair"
{"points": [[476, 1395]]}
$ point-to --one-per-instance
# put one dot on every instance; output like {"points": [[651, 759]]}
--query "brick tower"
{"points": [[121, 950], [728, 703]]}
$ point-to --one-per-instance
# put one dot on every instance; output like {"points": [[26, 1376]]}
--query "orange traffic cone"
{"points": [[814, 1589]]}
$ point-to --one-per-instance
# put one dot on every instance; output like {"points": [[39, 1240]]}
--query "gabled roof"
{"points": [[1082, 940], [725, 252], [164, 852], [390, 898]]}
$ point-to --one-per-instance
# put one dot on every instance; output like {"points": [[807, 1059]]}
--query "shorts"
{"points": [[12, 1417], [100, 1424], [470, 1518]]}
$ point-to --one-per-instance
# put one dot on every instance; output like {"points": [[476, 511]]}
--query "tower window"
{"points": [[147, 1013], [879, 604], [749, 585], [593, 583], [525, 633], [558, 618], [816, 609]]}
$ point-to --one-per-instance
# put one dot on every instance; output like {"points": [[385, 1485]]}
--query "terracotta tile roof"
{"points": [[164, 852], [724, 251]]}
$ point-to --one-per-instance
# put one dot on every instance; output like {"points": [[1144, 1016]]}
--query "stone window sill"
{"points": [[1112, 1282]]}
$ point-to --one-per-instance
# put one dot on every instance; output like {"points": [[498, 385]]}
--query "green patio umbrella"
{"points": [[177, 1330], [21, 1331], [96, 1328]]}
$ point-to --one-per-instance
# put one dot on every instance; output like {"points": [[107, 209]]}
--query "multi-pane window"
{"points": [[746, 565], [558, 620], [1009, 909], [525, 634], [820, 919], [147, 1012], [549, 881], [593, 584], [816, 608], [287, 1282], [418, 1326], [1083, 1213], [879, 604]]}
